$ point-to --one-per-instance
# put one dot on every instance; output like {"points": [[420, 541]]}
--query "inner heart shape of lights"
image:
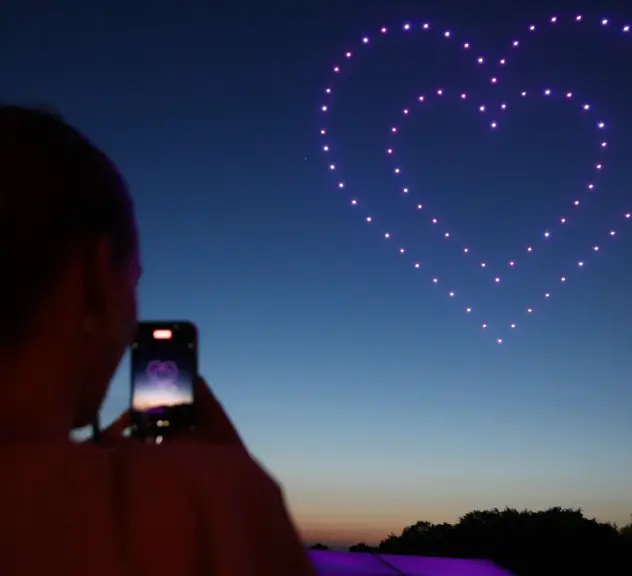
{"points": [[159, 371], [494, 114]]}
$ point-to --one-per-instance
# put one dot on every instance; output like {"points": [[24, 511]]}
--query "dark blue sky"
{"points": [[364, 387]]}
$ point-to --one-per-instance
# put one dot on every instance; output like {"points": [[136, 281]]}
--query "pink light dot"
{"points": [[553, 19], [383, 30], [503, 106], [563, 220], [466, 46], [626, 28], [369, 219], [389, 151], [523, 94], [529, 249], [481, 60], [503, 62], [439, 92], [323, 132], [483, 326], [493, 80], [481, 108], [328, 90], [463, 96], [516, 43], [628, 215], [406, 26], [576, 202], [466, 250], [586, 106], [324, 108], [435, 221], [596, 248], [447, 33], [393, 129], [365, 40], [396, 170], [591, 186], [599, 166], [336, 69], [601, 125], [326, 148], [578, 18], [531, 28], [604, 144], [493, 124], [426, 26], [512, 263], [421, 98], [406, 111], [419, 207], [348, 54], [547, 92], [612, 232]]}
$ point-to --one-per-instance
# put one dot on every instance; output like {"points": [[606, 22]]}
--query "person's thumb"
{"points": [[116, 429]]}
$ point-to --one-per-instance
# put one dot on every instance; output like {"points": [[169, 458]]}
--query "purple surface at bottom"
{"points": [[335, 563]]}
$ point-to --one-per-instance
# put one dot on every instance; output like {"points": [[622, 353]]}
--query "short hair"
{"points": [[58, 192]]}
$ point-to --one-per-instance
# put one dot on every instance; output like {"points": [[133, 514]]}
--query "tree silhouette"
{"points": [[549, 542], [319, 547]]}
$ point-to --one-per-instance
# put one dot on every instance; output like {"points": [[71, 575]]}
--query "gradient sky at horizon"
{"points": [[371, 397]]}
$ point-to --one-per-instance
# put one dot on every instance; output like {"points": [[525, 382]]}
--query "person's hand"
{"points": [[212, 424]]}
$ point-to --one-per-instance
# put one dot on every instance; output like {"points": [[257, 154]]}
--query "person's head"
{"points": [[69, 268]]}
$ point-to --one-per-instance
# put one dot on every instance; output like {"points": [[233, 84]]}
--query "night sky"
{"points": [[365, 388]]}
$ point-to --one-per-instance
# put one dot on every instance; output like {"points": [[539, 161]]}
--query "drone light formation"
{"points": [[493, 112]]}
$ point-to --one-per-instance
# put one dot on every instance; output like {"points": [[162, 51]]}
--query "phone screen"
{"points": [[164, 368]]}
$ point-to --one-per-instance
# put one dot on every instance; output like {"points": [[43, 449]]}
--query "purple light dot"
{"points": [[578, 18], [553, 19], [481, 60], [383, 30], [348, 54], [516, 43], [369, 219], [447, 33], [466, 46], [365, 40], [483, 326], [426, 26]]}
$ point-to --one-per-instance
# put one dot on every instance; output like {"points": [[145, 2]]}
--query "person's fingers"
{"points": [[115, 430], [212, 421]]}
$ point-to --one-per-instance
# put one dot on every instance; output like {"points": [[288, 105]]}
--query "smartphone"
{"points": [[164, 367]]}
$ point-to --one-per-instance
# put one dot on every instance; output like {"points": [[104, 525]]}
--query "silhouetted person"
{"points": [[69, 271]]}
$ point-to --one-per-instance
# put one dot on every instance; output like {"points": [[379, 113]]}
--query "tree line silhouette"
{"points": [[557, 541]]}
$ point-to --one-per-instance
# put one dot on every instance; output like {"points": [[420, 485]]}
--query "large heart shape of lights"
{"points": [[494, 121]]}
